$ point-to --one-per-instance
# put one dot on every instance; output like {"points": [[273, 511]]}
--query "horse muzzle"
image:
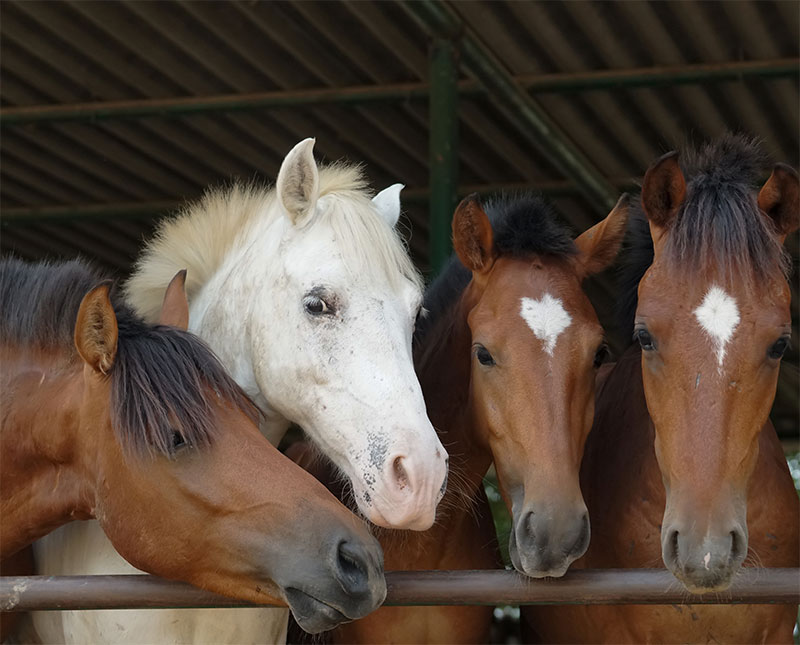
{"points": [[352, 587], [706, 564], [546, 541]]}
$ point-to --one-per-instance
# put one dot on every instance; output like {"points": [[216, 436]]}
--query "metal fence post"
{"points": [[443, 149]]}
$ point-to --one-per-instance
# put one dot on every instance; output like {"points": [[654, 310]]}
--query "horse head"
{"points": [[713, 321], [536, 348], [185, 486], [330, 335]]}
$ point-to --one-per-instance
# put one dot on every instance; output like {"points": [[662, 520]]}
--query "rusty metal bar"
{"points": [[597, 80], [600, 586]]}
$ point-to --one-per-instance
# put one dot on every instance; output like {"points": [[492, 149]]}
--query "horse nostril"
{"points": [[738, 546], [582, 541], [352, 572], [534, 534], [672, 548], [400, 474]]}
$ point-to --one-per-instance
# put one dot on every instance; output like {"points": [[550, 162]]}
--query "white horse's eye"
{"points": [[315, 306]]}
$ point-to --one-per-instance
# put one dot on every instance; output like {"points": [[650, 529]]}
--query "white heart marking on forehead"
{"points": [[546, 317], [718, 315]]}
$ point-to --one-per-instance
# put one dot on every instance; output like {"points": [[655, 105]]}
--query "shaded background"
{"points": [[112, 114]]}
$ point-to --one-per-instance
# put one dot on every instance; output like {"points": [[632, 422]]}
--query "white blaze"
{"points": [[546, 317], [718, 315]]}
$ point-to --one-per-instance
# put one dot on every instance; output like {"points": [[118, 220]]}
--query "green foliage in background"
{"points": [[502, 518]]}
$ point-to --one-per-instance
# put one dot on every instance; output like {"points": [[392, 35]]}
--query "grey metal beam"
{"points": [[518, 106], [602, 80], [581, 586]]}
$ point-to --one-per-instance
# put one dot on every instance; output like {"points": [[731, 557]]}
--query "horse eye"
{"points": [[779, 348], [177, 440], [645, 339], [315, 306], [483, 355], [601, 355]]}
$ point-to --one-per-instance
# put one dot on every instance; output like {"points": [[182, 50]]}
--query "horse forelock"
{"points": [[719, 225], [161, 377], [522, 225], [204, 233], [369, 247]]}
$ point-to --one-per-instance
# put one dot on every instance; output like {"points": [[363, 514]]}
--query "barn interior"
{"points": [[113, 115]]}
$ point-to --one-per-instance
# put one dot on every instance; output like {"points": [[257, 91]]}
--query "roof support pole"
{"points": [[518, 106], [443, 139]]}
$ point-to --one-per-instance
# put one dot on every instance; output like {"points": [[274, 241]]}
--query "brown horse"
{"points": [[142, 429], [682, 464], [507, 357]]}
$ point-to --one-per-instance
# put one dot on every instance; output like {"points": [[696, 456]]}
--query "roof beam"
{"points": [[21, 216], [602, 80]]}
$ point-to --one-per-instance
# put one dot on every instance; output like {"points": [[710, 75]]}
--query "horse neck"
{"points": [[620, 448], [45, 466], [443, 367], [219, 316]]}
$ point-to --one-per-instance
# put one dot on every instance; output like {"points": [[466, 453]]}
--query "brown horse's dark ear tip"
{"points": [[473, 199], [672, 155], [781, 167], [104, 285]]}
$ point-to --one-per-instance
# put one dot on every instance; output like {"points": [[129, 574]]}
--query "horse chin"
{"points": [[713, 584], [525, 568], [393, 517], [313, 615]]}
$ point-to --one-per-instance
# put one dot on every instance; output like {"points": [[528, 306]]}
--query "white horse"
{"points": [[308, 296]]}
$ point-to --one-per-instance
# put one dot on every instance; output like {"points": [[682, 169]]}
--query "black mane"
{"points": [[522, 225], [161, 375], [719, 222]]}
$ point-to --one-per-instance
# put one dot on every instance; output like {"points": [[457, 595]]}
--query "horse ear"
{"points": [[472, 236], [96, 329], [175, 310], [388, 203], [298, 181], [663, 192], [598, 247], [779, 199]]}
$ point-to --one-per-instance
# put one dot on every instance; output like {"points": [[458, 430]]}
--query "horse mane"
{"points": [[161, 375], [205, 232], [719, 222], [523, 225]]}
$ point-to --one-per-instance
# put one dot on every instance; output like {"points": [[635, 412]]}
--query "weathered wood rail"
{"points": [[607, 586]]}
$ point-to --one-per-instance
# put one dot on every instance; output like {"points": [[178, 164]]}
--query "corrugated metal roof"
{"points": [[110, 171]]}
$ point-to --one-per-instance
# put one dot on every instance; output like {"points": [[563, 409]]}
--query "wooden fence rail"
{"points": [[606, 587]]}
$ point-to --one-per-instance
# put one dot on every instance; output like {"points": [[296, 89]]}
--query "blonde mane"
{"points": [[203, 233]]}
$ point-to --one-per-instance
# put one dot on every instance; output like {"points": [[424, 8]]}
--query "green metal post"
{"points": [[443, 149], [531, 119]]}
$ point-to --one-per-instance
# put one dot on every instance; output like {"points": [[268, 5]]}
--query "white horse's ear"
{"points": [[298, 181], [388, 203]]}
